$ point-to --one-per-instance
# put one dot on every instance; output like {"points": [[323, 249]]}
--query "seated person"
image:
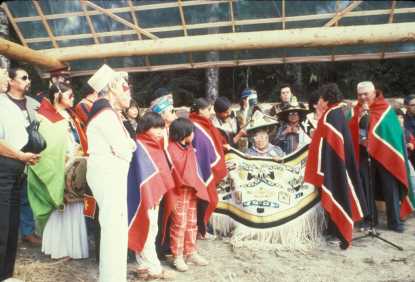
{"points": [[259, 128], [291, 135]]}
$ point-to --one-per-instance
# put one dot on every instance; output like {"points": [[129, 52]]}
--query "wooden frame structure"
{"points": [[147, 36]]}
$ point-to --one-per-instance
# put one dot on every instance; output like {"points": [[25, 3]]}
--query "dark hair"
{"points": [[59, 87], [149, 120], [408, 99], [180, 128], [222, 104], [199, 104], [285, 85], [313, 100], [13, 72], [86, 90], [330, 93]]}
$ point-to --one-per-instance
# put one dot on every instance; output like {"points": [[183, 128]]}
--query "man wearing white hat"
{"points": [[110, 151], [380, 150]]}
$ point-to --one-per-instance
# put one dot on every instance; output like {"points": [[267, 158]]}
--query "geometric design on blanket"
{"points": [[262, 192]]}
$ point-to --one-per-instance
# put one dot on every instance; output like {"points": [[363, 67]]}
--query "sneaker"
{"points": [[196, 259], [180, 264], [397, 228]]}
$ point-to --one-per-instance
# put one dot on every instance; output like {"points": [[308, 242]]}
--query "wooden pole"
{"points": [[292, 38], [21, 53]]}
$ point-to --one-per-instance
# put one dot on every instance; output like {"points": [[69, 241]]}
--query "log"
{"points": [[290, 38], [21, 53]]}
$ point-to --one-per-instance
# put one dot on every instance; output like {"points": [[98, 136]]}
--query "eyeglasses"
{"points": [[293, 114]]}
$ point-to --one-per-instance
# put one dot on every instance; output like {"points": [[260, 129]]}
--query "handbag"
{"points": [[36, 143]]}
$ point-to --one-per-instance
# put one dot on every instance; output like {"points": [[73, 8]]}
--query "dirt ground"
{"points": [[367, 260]]}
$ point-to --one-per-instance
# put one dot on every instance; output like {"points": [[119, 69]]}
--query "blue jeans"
{"points": [[27, 223]]}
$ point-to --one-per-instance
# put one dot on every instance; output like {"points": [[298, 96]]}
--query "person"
{"points": [[181, 203], [84, 106], [58, 205], [310, 122], [410, 149], [226, 122], [163, 105], [290, 135], [377, 135], [149, 178], [409, 119], [248, 105], [110, 151], [14, 118], [130, 118], [259, 128], [332, 167], [286, 96], [210, 148]]}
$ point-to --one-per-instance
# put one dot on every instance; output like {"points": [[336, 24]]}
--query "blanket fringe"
{"points": [[302, 233]]}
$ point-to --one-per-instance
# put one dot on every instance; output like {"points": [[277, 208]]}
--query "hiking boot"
{"points": [[197, 259], [180, 264]]}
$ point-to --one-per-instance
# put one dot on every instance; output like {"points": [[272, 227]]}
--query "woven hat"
{"points": [[293, 106], [103, 76], [260, 120]]}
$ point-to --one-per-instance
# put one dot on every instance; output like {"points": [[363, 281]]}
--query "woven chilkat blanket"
{"points": [[263, 200]]}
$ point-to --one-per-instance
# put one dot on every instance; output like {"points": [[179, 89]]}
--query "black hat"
{"points": [[293, 106], [222, 104]]}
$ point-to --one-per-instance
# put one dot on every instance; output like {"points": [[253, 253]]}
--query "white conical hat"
{"points": [[103, 76], [259, 119]]}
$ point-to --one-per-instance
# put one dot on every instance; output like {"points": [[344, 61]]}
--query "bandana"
{"points": [[161, 104]]}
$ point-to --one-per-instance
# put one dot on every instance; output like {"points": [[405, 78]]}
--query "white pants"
{"points": [[107, 178], [148, 259]]}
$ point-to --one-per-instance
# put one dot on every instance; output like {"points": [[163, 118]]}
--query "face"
{"points": [[169, 115], [132, 112], [156, 132], [188, 140], [366, 97], [4, 80], [293, 117], [322, 105], [122, 93], [285, 94], [224, 115], [245, 102], [21, 83], [261, 140], [411, 107], [206, 112], [67, 99]]}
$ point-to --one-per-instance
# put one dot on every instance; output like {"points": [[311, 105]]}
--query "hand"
{"points": [[227, 147], [410, 146], [242, 133], [276, 158], [29, 158]]}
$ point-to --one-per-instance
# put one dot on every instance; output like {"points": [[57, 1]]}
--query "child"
{"points": [[181, 205], [149, 179]]}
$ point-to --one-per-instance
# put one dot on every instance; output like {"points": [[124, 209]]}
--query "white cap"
{"points": [[102, 78], [365, 86]]}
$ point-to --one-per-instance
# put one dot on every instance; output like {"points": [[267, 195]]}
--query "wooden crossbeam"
{"points": [[255, 62], [90, 24], [135, 21], [45, 23], [343, 12], [183, 21], [21, 53], [109, 13], [225, 24], [390, 20], [289, 38], [13, 23]]}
